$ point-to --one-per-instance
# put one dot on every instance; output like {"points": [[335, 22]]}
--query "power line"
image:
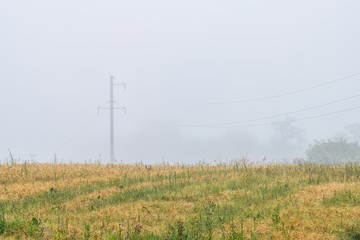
{"points": [[229, 124], [77, 134], [287, 113], [253, 125], [257, 99], [260, 118], [302, 119], [285, 93]]}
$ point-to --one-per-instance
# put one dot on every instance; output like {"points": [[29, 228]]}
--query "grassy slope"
{"points": [[55, 201]]}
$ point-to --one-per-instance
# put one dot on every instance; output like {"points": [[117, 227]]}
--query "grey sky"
{"points": [[56, 58]]}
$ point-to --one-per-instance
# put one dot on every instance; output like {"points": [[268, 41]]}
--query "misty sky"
{"points": [[177, 58]]}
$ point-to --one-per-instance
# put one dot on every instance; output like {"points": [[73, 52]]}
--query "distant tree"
{"points": [[334, 151], [287, 132], [354, 131], [287, 139]]}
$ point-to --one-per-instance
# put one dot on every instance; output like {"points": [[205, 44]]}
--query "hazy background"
{"points": [[175, 56]]}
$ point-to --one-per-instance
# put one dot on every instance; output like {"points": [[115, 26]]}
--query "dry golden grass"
{"points": [[238, 201]]}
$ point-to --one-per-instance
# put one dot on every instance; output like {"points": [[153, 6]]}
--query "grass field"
{"points": [[227, 201]]}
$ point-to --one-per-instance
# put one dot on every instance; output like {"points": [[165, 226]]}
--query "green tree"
{"points": [[334, 151]]}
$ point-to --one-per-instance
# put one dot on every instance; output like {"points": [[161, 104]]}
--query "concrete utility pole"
{"points": [[111, 119], [111, 108]]}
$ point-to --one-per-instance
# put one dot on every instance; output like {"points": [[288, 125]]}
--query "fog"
{"points": [[206, 80]]}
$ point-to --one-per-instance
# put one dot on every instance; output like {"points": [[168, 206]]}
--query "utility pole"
{"points": [[111, 108], [111, 119]]}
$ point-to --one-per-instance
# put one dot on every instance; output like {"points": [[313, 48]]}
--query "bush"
{"points": [[334, 151]]}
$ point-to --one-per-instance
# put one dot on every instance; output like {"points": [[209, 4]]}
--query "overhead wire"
{"points": [[231, 124], [257, 99], [77, 134], [252, 125], [259, 118]]}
